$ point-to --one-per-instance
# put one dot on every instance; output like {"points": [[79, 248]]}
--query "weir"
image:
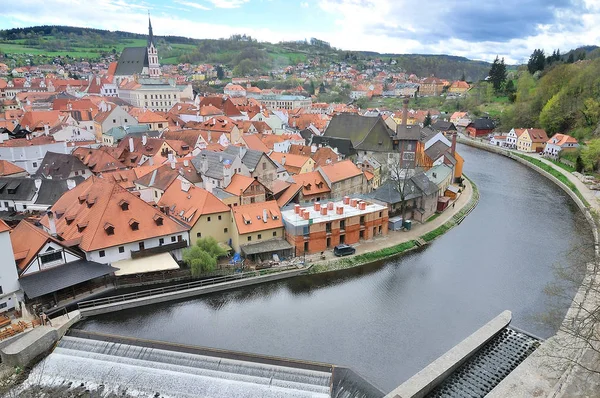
{"points": [[148, 367]]}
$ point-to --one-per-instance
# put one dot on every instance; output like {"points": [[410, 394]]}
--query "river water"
{"points": [[387, 322]]}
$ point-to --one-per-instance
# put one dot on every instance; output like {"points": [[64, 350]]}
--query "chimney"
{"points": [[186, 163], [330, 206], [51, 223], [265, 218], [204, 164], [404, 111], [323, 211], [339, 210], [346, 200], [297, 209], [173, 165], [131, 147], [353, 202], [317, 206], [306, 215], [71, 184], [46, 129], [144, 139], [185, 186], [453, 147], [38, 183], [283, 160], [362, 205], [150, 161], [170, 157]]}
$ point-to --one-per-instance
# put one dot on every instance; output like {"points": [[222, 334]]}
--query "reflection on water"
{"points": [[387, 321]]}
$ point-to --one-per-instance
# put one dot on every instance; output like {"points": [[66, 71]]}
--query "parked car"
{"points": [[343, 250]]}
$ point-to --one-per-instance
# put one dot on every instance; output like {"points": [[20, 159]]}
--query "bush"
{"points": [[203, 256]]}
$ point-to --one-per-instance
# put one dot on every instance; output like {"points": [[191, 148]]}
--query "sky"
{"points": [[476, 29]]}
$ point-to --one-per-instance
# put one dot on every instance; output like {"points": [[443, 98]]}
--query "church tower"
{"points": [[153, 65]]}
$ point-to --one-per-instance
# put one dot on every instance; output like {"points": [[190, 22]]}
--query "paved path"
{"points": [[394, 238]]}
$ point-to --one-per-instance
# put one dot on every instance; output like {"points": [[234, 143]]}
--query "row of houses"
{"points": [[536, 141]]}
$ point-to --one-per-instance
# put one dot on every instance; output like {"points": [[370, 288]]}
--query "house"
{"points": [[480, 127], [314, 187], [28, 153], [116, 134], [62, 166], [247, 190], [560, 143], [499, 140], [441, 175], [9, 280], [258, 163], [532, 141], [343, 178], [447, 128], [322, 226], [456, 116], [108, 223], [153, 120], [32, 194], [204, 213], [234, 90], [109, 116], [431, 86], [294, 164], [8, 169], [419, 201], [98, 160], [322, 156], [459, 87], [217, 168], [258, 232], [512, 137], [49, 271], [372, 170]]}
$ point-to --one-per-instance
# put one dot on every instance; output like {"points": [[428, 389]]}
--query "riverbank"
{"points": [[397, 243], [554, 370]]}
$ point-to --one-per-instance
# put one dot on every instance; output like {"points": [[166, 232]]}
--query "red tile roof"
{"points": [[249, 218], [188, 205], [341, 171], [7, 168]]}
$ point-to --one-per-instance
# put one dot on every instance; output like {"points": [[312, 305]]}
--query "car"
{"points": [[343, 250]]}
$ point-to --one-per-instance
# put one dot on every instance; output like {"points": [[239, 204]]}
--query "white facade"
{"points": [[30, 157], [113, 254], [48, 257], [156, 97], [10, 292], [511, 139]]}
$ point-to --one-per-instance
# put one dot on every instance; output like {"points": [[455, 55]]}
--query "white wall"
{"points": [[9, 278], [36, 266], [30, 157]]}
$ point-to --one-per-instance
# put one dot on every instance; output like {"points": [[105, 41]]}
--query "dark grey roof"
{"points": [[59, 165], [343, 145], [442, 125], [132, 61], [307, 134], [268, 246], [215, 162], [483, 123], [436, 150], [408, 132], [219, 193], [488, 366], [424, 183], [51, 190], [251, 156], [12, 188], [427, 133], [366, 133], [70, 274], [415, 187]]}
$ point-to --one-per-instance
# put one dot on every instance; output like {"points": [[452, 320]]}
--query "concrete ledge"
{"points": [[197, 291], [34, 343], [427, 379]]}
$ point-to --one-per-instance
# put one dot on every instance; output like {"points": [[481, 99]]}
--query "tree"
{"points": [[401, 174], [497, 73], [511, 91], [579, 164], [571, 59], [220, 72], [427, 121], [537, 61], [463, 77], [590, 154], [202, 257]]}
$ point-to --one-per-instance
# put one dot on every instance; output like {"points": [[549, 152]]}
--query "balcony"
{"points": [[158, 249]]}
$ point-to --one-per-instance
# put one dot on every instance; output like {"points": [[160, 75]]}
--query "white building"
{"points": [[9, 279], [28, 153], [155, 94]]}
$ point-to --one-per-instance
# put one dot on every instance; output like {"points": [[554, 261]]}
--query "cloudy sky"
{"points": [[477, 29]]}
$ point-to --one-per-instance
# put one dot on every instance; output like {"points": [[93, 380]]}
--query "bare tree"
{"points": [[401, 176]]}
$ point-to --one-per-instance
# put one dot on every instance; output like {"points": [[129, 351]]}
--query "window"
{"points": [[408, 156], [34, 164], [198, 234], [343, 224], [179, 238], [208, 219], [24, 207], [342, 239], [380, 214], [114, 120], [264, 166], [50, 257], [173, 239], [121, 249], [306, 246], [225, 230], [249, 238], [141, 245], [362, 220], [328, 227], [125, 120], [161, 241], [259, 236], [219, 217], [274, 233], [3, 305], [101, 253]]}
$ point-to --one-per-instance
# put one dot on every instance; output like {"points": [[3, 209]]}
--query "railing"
{"points": [[158, 249], [166, 289]]}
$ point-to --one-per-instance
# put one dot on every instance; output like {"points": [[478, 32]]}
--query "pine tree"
{"points": [[427, 121], [537, 61], [463, 77], [571, 59], [497, 73]]}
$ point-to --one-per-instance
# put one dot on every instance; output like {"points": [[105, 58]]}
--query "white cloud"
{"points": [[304, 4], [228, 3], [192, 4]]}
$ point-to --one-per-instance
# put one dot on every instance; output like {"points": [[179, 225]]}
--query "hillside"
{"points": [[42, 44]]}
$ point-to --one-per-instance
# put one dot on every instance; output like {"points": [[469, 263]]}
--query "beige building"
{"points": [[256, 223], [155, 94]]}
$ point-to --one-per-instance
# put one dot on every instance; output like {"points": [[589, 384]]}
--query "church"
{"points": [[138, 61]]}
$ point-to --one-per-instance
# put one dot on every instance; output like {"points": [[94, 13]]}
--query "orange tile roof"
{"points": [[312, 183], [341, 171], [189, 205], [560, 140], [368, 175], [537, 135], [249, 218], [253, 141], [27, 240], [19, 142], [98, 160], [239, 183], [3, 226], [37, 119], [146, 116], [289, 194], [125, 178], [7, 168], [95, 206], [293, 162]]}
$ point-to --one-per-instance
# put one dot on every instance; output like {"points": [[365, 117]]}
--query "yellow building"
{"points": [[459, 87], [255, 223], [202, 211], [532, 140]]}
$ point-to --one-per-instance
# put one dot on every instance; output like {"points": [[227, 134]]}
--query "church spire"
{"points": [[150, 35]]}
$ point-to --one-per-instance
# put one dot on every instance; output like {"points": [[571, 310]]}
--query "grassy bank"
{"points": [[560, 176], [390, 252]]}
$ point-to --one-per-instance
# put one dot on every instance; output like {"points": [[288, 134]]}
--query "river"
{"points": [[387, 322]]}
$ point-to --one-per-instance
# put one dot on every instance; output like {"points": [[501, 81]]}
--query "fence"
{"points": [[166, 289]]}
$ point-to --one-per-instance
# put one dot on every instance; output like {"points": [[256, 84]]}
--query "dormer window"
{"points": [[158, 220], [81, 226], [82, 199], [247, 219], [124, 205], [69, 219], [109, 229], [134, 224], [90, 202]]}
